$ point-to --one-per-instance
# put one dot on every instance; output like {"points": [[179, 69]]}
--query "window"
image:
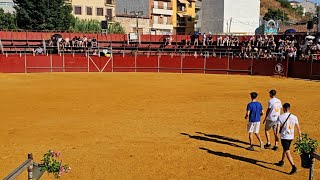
{"points": [[89, 10], [155, 19], [156, 4], [190, 4], [109, 1], [99, 11], [190, 18], [165, 20], [77, 10], [165, 5], [109, 14]]}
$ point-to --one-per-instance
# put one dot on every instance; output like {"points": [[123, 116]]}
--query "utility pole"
{"points": [[137, 14], [230, 25]]}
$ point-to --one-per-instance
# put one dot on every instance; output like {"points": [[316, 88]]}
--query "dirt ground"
{"points": [[147, 125]]}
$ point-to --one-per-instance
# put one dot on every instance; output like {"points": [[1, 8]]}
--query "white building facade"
{"points": [[230, 16]]}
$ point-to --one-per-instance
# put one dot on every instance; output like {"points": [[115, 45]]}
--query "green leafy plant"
{"points": [[305, 144], [52, 165]]}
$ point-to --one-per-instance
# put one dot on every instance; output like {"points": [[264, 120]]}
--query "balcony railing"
{"points": [[110, 2], [182, 8], [182, 23], [161, 7]]}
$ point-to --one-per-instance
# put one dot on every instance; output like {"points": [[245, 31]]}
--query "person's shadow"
{"points": [[240, 158], [212, 140], [224, 138]]}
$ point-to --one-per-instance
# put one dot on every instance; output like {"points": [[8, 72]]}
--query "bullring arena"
{"points": [[185, 122]]}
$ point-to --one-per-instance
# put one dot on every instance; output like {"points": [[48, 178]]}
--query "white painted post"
{"points": [[30, 176], [51, 63], [25, 63]]}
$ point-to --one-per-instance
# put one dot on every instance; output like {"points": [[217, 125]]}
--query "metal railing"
{"points": [[314, 157], [32, 167]]}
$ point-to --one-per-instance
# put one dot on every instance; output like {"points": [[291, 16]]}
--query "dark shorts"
{"points": [[286, 144]]}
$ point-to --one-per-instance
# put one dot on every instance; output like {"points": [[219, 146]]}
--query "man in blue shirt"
{"points": [[254, 112]]}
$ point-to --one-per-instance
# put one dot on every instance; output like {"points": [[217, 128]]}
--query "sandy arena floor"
{"points": [[137, 125]]}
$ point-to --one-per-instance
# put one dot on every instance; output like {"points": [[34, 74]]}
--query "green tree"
{"points": [[83, 25], [115, 28], [285, 4], [299, 10], [43, 15], [7, 20], [276, 14]]}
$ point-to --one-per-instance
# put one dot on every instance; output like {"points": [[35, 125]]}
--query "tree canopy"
{"points": [[276, 14], [7, 20], [43, 15]]}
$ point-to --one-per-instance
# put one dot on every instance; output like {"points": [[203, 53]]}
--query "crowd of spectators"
{"points": [[66, 43]]}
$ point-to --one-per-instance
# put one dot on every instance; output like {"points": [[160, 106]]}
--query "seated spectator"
{"points": [[39, 50], [219, 41], [94, 42], [67, 42]]}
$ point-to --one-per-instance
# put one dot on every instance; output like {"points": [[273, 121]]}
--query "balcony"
{"points": [[181, 24], [110, 3], [181, 9], [160, 10], [162, 26]]}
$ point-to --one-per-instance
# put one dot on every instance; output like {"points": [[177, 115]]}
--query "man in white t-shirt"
{"points": [[286, 122], [273, 112]]}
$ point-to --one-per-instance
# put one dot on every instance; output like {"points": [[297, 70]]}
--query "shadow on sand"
{"points": [[240, 158], [212, 140]]}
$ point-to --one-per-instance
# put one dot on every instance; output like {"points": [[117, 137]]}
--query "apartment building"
{"points": [[230, 16], [161, 17], [198, 18], [153, 16], [7, 6], [184, 16], [102, 10]]}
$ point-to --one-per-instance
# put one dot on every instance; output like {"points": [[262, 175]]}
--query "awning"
{"points": [[180, 14], [183, 1]]}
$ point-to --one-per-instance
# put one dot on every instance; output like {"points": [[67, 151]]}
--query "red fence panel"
{"points": [[240, 66], [299, 69], [147, 64], [192, 64], [57, 63], [123, 64], [215, 65], [6, 35], [39, 63], [170, 64], [78, 63], [12, 64]]}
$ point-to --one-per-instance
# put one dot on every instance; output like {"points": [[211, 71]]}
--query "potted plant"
{"points": [[52, 165], [305, 146]]}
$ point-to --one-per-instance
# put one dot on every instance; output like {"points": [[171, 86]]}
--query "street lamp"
{"points": [[137, 14]]}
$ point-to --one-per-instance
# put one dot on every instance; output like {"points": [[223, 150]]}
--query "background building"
{"points": [[183, 16], [7, 5], [230, 16], [156, 17], [308, 7], [93, 9], [198, 18]]}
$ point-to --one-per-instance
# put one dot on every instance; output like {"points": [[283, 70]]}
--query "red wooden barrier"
{"points": [[147, 64], [192, 64], [124, 64], [170, 64], [215, 65], [12, 64]]}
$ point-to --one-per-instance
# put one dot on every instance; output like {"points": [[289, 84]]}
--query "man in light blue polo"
{"points": [[254, 112]]}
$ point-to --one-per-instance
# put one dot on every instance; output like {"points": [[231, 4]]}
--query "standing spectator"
{"points": [[210, 40], [286, 123], [39, 50], [254, 112], [188, 41], [219, 41], [196, 38], [204, 39], [272, 114]]}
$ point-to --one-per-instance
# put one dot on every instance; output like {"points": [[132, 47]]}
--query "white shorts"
{"points": [[253, 127]]}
